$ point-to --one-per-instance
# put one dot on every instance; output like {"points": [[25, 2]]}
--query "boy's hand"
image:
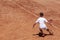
{"points": [[33, 26], [50, 21]]}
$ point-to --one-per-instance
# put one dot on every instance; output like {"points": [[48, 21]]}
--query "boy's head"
{"points": [[41, 14]]}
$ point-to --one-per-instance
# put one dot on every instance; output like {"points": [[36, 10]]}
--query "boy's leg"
{"points": [[49, 32], [42, 34], [41, 30]]}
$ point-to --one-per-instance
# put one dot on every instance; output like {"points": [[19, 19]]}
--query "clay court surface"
{"points": [[18, 16]]}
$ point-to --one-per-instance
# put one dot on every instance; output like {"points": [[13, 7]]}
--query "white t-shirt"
{"points": [[41, 21]]}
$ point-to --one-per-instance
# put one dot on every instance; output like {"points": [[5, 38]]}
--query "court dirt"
{"points": [[18, 16]]}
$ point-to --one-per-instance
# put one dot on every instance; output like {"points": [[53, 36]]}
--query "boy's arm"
{"points": [[34, 25], [50, 22], [37, 21]]}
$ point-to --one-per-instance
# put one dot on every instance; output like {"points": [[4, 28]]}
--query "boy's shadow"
{"points": [[40, 34]]}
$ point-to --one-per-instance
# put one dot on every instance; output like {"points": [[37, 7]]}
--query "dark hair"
{"points": [[41, 14]]}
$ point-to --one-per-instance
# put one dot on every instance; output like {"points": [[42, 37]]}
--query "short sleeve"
{"points": [[37, 20], [45, 20]]}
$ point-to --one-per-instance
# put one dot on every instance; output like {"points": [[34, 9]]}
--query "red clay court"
{"points": [[18, 16]]}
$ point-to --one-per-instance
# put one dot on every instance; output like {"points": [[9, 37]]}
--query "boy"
{"points": [[41, 20]]}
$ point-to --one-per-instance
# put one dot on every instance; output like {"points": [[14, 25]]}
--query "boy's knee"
{"points": [[40, 29], [47, 29]]}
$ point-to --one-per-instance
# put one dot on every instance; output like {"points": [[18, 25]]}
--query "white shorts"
{"points": [[43, 26]]}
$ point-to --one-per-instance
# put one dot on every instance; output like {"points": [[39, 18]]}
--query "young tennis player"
{"points": [[41, 20]]}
